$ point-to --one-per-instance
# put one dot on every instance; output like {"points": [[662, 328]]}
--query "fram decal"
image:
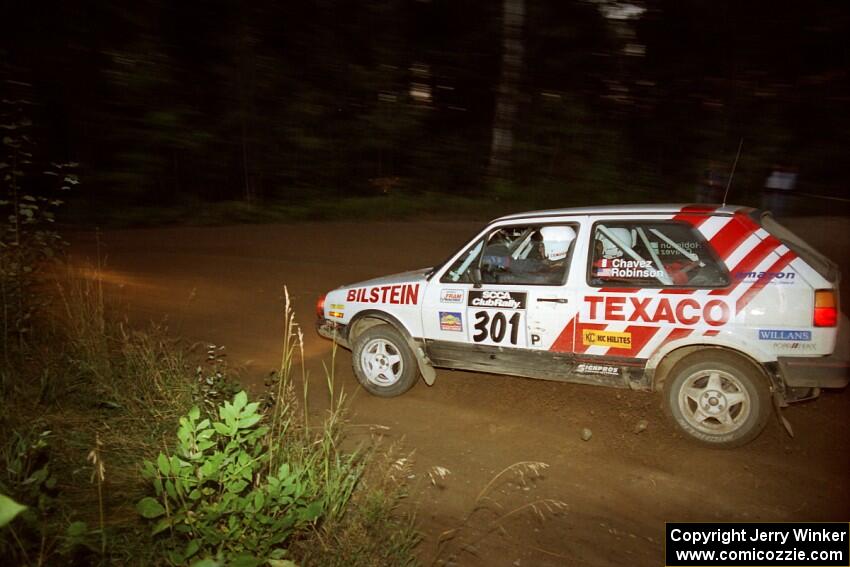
{"points": [[451, 321], [403, 294], [497, 299], [654, 309], [778, 277], [610, 339], [337, 310], [451, 296], [597, 369], [784, 335]]}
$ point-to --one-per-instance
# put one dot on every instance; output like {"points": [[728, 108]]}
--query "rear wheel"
{"points": [[717, 398], [383, 363]]}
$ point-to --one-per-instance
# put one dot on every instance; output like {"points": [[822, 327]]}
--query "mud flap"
{"points": [[425, 368], [778, 404]]}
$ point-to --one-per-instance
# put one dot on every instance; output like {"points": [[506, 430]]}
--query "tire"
{"points": [[383, 363], [717, 398]]}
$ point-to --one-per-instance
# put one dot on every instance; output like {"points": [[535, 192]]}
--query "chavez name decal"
{"points": [[402, 294], [685, 311]]}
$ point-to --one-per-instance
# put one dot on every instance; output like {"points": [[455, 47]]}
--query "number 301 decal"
{"points": [[497, 327]]}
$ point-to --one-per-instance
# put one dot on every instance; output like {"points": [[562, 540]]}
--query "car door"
{"points": [[488, 310]]}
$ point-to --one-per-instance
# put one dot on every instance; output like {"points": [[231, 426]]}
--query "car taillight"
{"points": [[826, 310], [320, 307]]}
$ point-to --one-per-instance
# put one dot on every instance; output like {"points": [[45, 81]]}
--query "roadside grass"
{"points": [[89, 400]]}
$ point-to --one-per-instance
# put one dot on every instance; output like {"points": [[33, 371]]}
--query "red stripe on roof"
{"points": [[694, 214], [754, 290], [732, 235], [711, 333]]}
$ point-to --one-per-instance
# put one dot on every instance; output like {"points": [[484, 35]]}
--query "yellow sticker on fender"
{"points": [[611, 339]]}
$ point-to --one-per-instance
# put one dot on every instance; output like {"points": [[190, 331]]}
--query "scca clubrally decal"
{"points": [[497, 299]]}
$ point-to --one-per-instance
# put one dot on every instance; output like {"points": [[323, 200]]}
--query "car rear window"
{"points": [[652, 254], [820, 263]]}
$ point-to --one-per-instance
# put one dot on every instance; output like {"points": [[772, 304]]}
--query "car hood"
{"points": [[403, 277]]}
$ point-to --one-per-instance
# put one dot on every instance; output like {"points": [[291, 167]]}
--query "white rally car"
{"points": [[722, 309]]}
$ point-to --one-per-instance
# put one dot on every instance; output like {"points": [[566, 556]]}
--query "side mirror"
{"points": [[475, 273]]}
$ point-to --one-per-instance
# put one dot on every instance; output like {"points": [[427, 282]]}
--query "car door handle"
{"points": [[552, 299]]}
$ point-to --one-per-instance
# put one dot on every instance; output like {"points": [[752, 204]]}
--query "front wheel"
{"points": [[717, 398], [383, 363]]}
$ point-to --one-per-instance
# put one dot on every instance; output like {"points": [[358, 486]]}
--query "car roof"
{"points": [[662, 209]]}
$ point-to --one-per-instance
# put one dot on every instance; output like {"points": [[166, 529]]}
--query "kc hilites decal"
{"points": [[402, 294], [655, 309], [611, 339], [497, 299]]}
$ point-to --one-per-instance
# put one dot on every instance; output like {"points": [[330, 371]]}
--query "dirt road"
{"points": [[224, 285]]}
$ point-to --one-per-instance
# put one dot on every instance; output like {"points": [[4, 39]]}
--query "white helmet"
{"points": [[556, 241], [609, 248]]}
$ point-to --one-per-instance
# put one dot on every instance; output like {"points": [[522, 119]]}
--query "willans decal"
{"points": [[784, 335]]}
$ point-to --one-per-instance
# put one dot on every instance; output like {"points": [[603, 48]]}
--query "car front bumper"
{"points": [[334, 331]]}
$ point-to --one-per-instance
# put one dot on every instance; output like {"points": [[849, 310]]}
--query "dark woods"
{"points": [[548, 102]]}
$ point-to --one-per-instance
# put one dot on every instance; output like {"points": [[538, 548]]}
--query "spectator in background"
{"points": [[778, 190], [711, 187]]}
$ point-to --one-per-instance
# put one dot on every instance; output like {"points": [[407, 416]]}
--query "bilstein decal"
{"points": [[655, 309], [497, 299], [402, 294], [606, 338]]}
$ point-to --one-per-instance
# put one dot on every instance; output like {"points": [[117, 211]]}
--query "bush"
{"points": [[218, 492], [250, 483]]}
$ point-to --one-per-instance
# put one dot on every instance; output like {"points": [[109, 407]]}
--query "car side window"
{"points": [[646, 254], [525, 255]]}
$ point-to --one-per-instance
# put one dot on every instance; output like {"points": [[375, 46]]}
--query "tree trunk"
{"points": [[501, 149]]}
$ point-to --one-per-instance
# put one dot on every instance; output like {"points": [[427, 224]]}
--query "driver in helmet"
{"points": [[547, 263]]}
